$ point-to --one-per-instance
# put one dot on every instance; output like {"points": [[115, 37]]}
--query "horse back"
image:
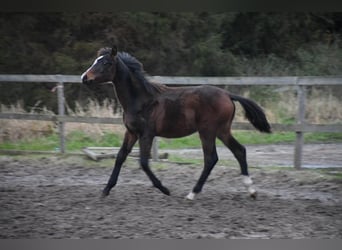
{"points": [[182, 111]]}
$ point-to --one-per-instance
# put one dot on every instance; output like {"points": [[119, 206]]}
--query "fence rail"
{"points": [[300, 84], [193, 80]]}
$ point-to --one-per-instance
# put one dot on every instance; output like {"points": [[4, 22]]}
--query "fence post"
{"points": [[61, 112], [301, 95], [155, 149]]}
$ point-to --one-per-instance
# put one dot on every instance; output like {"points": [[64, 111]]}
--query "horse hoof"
{"points": [[190, 196], [253, 195], [104, 193], [164, 190]]}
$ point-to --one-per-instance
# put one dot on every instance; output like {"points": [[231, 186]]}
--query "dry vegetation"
{"points": [[94, 109], [321, 109], [15, 130]]}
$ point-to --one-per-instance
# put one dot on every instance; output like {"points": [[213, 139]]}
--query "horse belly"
{"points": [[176, 125], [176, 132]]}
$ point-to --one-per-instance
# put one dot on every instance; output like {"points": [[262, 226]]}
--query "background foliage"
{"points": [[178, 44]]}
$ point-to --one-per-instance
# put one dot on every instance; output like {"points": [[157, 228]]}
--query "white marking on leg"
{"points": [[247, 181], [251, 191], [190, 196]]}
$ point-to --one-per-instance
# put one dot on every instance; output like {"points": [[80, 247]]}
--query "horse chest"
{"points": [[134, 122]]}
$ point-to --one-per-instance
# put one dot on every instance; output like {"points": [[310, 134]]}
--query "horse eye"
{"points": [[107, 63]]}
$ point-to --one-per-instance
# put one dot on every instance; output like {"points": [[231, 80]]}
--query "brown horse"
{"points": [[152, 109]]}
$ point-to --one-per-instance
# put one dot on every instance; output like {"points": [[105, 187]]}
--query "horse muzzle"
{"points": [[85, 79]]}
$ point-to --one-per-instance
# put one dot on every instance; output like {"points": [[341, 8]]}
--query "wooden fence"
{"points": [[300, 84]]}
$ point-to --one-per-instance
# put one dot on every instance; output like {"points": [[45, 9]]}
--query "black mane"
{"points": [[136, 69], [131, 62]]}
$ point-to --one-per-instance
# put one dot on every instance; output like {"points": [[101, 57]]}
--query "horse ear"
{"points": [[114, 50]]}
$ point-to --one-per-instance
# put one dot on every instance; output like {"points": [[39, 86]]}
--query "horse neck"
{"points": [[132, 94]]}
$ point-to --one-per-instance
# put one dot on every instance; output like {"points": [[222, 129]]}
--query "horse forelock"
{"points": [[130, 61], [104, 51]]}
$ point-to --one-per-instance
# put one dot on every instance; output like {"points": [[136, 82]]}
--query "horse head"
{"points": [[103, 69]]}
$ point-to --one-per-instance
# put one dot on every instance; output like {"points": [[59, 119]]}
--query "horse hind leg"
{"points": [[239, 151]]}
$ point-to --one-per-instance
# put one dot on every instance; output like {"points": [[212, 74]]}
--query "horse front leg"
{"points": [[210, 159], [126, 147], [145, 143]]}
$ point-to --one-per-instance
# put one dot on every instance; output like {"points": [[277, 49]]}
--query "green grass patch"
{"points": [[337, 176], [78, 139], [323, 137], [75, 140], [46, 143], [252, 137], [191, 141], [184, 160]]}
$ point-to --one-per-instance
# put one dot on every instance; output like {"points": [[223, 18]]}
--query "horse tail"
{"points": [[253, 113]]}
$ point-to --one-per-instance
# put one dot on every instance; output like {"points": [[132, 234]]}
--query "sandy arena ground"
{"points": [[59, 197]]}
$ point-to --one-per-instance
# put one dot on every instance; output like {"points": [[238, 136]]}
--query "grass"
{"points": [[47, 143], [183, 160], [322, 108], [252, 137], [76, 140], [336, 176]]}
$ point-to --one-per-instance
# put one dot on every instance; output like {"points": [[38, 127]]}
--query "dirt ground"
{"points": [[59, 197]]}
